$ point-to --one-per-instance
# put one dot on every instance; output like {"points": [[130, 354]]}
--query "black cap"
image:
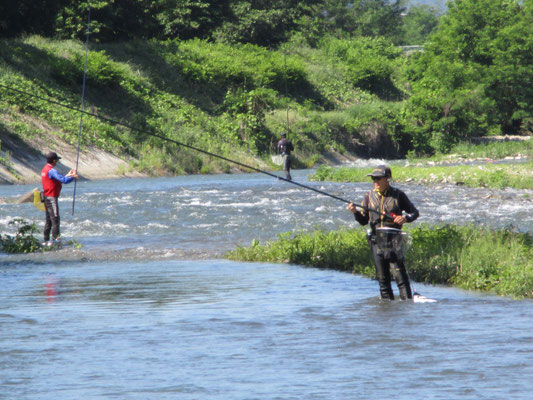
{"points": [[51, 156], [283, 134], [381, 171]]}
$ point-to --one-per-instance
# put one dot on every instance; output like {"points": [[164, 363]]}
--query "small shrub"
{"points": [[23, 241]]}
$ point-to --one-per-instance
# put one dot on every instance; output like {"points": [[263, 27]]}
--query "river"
{"points": [[149, 309]]}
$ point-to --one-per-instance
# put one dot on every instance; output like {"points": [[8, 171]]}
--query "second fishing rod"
{"points": [[115, 122]]}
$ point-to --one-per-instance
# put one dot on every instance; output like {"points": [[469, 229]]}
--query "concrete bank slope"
{"points": [[26, 160]]}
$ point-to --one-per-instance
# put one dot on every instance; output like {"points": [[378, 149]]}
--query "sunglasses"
{"points": [[375, 179]]}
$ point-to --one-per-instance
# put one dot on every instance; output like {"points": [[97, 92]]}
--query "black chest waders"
{"points": [[388, 247]]}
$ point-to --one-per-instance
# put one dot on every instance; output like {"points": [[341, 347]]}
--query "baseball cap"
{"points": [[380, 172], [51, 156]]}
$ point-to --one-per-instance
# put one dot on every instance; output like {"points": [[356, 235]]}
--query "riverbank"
{"points": [[21, 161], [490, 162], [24, 162], [468, 257], [187, 92], [487, 174]]}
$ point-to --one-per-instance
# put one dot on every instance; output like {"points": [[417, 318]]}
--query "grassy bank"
{"points": [[498, 176], [231, 100], [485, 150], [468, 257]]}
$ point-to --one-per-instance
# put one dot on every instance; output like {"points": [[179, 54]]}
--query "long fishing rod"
{"points": [[82, 104], [115, 122]]}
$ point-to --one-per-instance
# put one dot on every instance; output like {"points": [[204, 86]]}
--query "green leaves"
{"points": [[419, 23], [473, 77], [370, 61], [23, 241]]}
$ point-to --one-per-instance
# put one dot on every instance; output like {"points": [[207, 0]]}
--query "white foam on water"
{"points": [[364, 163], [204, 226], [261, 202], [156, 225], [199, 202], [418, 298], [7, 219]]}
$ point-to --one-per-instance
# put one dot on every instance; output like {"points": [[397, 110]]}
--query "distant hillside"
{"points": [[232, 100]]}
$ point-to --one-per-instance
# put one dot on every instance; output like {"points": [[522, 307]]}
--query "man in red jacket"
{"points": [[52, 183]]}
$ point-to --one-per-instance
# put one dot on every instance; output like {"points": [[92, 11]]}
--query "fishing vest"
{"points": [[387, 203], [285, 146], [51, 187]]}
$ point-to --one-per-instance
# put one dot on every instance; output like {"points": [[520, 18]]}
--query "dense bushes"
{"points": [[370, 62], [229, 66]]}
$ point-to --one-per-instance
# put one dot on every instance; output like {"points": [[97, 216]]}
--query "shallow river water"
{"points": [[148, 309]]}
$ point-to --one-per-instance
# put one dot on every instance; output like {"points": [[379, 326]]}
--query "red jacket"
{"points": [[51, 187]]}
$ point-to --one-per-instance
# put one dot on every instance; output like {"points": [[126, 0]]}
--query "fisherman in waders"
{"points": [[52, 183], [388, 201], [284, 148]]}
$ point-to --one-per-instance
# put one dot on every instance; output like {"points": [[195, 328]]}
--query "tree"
{"points": [[369, 18], [262, 22], [110, 20], [186, 19], [418, 24], [474, 76], [28, 17], [369, 62]]}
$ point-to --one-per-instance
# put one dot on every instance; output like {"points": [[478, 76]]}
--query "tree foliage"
{"points": [[28, 17], [418, 24], [349, 18], [369, 62], [474, 76], [261, 22]]}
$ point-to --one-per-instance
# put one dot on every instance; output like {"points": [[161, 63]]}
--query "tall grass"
{"points": [[469, 257]]}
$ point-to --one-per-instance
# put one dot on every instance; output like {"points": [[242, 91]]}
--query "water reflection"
{"points": [[52, 287]]}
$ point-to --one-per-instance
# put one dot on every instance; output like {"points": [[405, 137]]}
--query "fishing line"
{"points": [[82, 101], [286, 87], [115, 122]]}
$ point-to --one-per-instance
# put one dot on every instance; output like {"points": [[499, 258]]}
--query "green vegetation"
{"points": [[230, 100], [498, 176], [469, 257], [469, 80], [419, 23], [4, 160], [229, 76], [491, 150], [260, 22], [23, 241]]}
